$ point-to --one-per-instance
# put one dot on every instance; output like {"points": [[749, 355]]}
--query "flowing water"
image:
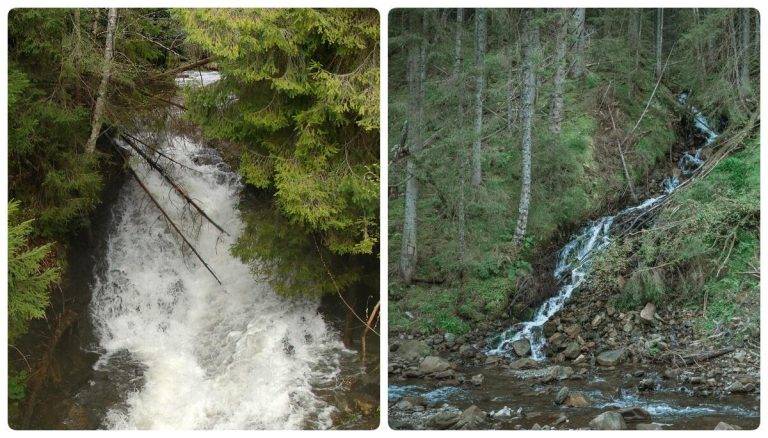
{"points": [[575, 258], [178, 350]]}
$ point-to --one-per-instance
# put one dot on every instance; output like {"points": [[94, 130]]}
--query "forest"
{"points": [[164, 161], [574, 199]]}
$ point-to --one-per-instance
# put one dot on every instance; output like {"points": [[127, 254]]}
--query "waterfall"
{"points": [[575, 258], [230, 356]]}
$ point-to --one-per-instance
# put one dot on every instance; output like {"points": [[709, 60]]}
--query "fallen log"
{"points": [[170, 181], [680, 360], [182, 68]]}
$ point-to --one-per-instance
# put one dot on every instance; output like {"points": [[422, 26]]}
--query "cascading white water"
{"points": [[231, 356], [575, 259]]}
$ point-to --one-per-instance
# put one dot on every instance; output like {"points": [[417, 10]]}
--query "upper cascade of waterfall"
{"points": [[575, 258]]}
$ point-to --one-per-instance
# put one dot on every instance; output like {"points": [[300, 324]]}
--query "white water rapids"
{"points": [[575, 259], [231, 356]]}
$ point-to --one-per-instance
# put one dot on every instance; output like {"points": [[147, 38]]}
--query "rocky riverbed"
{"points": [[646, 368]]}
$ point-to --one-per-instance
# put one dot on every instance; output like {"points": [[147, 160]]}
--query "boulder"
{"points": [[433, 364], [608, 421], [523, 363], [504, 413], [413, 350], [649, 426], [466, 350], [557, 372], [572, 331], [477, 379], [449, 338], [472, 418], [725, 426], [576, 400], [522, 347], [635, 415], [611, 357], [443, 420], [561, 395], [648, 312], [572, 350]]}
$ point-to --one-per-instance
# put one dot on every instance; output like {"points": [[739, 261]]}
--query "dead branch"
{"points": [[368, 325]]}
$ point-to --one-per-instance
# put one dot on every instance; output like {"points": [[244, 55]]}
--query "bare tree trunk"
{"points": [[635, 29], [98, 110], [461, 153], [510, 80], [477, 158], [530, 30], [95, 27], [556, 111], [744, 52], [659, 40], [580, 43], [415, 112]]}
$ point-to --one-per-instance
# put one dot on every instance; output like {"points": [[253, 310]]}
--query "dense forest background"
{"points": [[509, 129], [296, 112]]}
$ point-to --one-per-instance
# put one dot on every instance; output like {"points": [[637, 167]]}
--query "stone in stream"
{"points": [[561, 395], [472, 418], [610, 420], [648, 312], [725, 426], [522, 347], [572, 350], [576, 400], [447, 374], [557, 372], [635, 415], [611, 357], [443, 420], [477, 379], [647, 384], [504, 413], [523, 363], [433, 364]]}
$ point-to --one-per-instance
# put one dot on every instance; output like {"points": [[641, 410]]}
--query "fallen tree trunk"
{"points": [[164, 174], [182, 68], [691, 359]]}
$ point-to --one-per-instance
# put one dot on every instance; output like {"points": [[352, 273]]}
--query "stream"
{"points": [[524, 397], [168, 347]]}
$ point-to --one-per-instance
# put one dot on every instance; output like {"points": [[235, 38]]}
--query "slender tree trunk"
{"points": [[580, 43], [415, 58], [530, 30], [477, 158], [95, 27], [98, 110], [744, 30], [78, 52], [635, 29], [659, 40], [461, 153], [511, 80], [556, 111]]}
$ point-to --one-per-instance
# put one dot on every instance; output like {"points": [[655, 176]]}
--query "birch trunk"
{"points": [[556, 111], [415, 57], [461, 153], [477, 171], [579, 15], [530, 30], [98, 110], [659, 40]]}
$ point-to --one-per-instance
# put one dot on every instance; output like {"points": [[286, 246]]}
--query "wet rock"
{"points": [[504, 413], [443, 420], [472, 418], [404, 405], [648, 312], [580, 359], [725, 426], [447, 374], [523, 363], [561, 395], [611, 357], [466, 350], [635, 415], [433, 364], [576, 400], [740, 388], [560, 420], [647, 384], [572, 331], [477, 379], [492, 361], [522, 347], [608, 421], [572, 350], [557, 372], [649, 426], [413, 350]]}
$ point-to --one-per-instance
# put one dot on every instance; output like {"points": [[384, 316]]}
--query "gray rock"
{"points": [[522, 347], [725, 426], [557, 372], [635, 415], [647, 384], [413, 350], [608, 421], [576, 400], [649, 426], [611, 358], [504, 413], [443, 420], [477, 379], [433, 364], [523, 363], [467, 350], [472, 418], [449, 338], [403, 405], [572, 350], [648, 312], [561, 395]]}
